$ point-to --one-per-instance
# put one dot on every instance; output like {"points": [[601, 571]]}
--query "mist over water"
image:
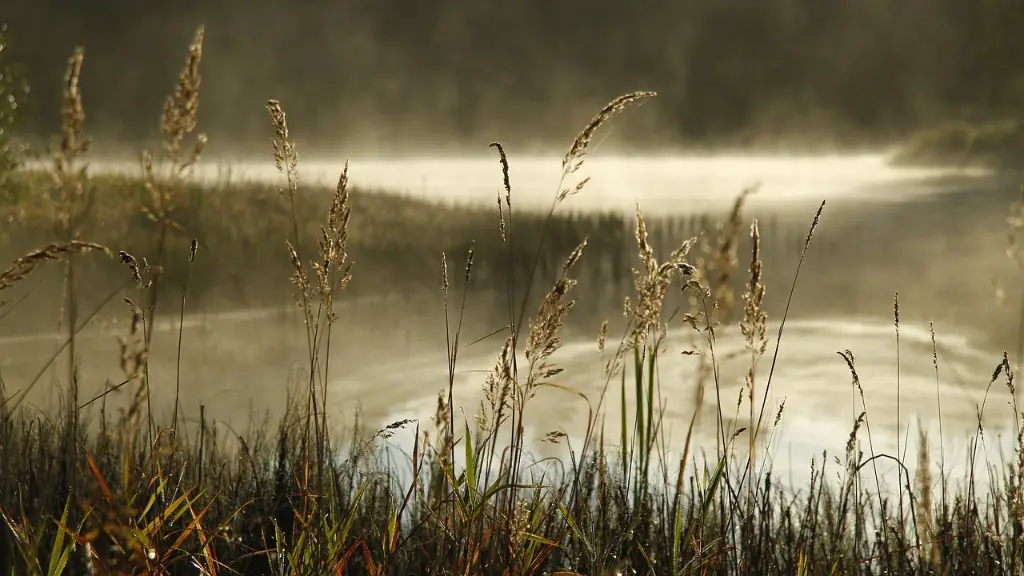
{"points": [[397, 381], [661, 185]]}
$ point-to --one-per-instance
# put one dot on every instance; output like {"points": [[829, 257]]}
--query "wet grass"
{"points": [[90, 489]]}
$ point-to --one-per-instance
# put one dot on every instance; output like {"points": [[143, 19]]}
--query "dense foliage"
{"points": [[384, 74]]}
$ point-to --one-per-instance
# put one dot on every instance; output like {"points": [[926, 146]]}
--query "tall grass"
{"points": [[101, 493]]}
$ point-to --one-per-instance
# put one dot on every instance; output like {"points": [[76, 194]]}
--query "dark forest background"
{"points": [[381, 75]]}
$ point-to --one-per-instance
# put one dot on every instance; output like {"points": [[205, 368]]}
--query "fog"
{"points": [[360, 76], [665, 184]]}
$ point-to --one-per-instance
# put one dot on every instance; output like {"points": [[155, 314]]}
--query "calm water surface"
{"points": [[903, 392]]}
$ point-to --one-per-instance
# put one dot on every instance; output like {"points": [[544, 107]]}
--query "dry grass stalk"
{"points": [[498, 387], [445, 283], [507, 185], [286, 161], [179, 118], [754, 328], [754, 325], [653, 281], [848, 357], [571, 163], [722, 266], [711, 298], [441, 421], [71, 199], [24, 266], [574, 157], [140, 272], [135, 345], [331, 273], [286, 157], [301, 282], [602, 337], [73, 144], [544, 339], [181, 109], [334, 271], [851, 445]]}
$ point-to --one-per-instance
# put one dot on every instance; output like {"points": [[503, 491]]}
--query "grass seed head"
{"points": [[72, 143], [181, 109], [286, 157], [754, 326], [574, 157], [544, 339], [22, 267]]}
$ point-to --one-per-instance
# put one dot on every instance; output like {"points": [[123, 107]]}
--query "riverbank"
{"points": [[994, 144], [397, 241]]}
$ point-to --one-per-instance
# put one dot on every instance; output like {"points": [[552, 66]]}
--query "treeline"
{"points": [[465, 72]]}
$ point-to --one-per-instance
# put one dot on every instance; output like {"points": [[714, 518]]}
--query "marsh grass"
{"points": [[111, 494], [400, 234]]}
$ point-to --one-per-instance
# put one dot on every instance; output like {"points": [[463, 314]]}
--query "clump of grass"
{"points": [[317, 284]]}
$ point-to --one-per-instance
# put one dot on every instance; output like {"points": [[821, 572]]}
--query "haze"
{"points": [[366, 77]]}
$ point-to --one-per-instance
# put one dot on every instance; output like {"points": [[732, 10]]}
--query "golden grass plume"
{"points": [[22, 267]]}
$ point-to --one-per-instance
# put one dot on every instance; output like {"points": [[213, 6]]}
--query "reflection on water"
{"points": [[810, 377], [234, 375]]}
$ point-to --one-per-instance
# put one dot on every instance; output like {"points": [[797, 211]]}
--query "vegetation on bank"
{"points": [[400, 238], [993, 144], [86, 491], [730, 74]]}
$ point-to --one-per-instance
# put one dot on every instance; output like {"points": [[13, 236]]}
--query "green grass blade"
{"points": [[470, 468], [60, 553]]}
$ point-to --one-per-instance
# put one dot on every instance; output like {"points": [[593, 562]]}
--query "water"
{"points": [[812, 379]]}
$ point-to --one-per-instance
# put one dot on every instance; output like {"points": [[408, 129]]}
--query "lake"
{"points": [[924, 226]]}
